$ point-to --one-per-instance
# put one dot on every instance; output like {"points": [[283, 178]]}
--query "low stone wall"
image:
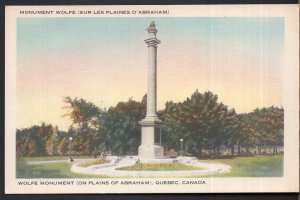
{"points": [[89, 169], [109, 169]]}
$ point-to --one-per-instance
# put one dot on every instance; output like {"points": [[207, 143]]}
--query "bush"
{"points": [[93, 162], [160, 167]]}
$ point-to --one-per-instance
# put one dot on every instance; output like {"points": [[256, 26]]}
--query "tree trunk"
{"points": [[218, 150], [186, 148], [239, 149], [200, 152], [247, 150], [232, 150]]}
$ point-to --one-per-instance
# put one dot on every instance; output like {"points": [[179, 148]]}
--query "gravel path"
{"points": [[110, 168]]}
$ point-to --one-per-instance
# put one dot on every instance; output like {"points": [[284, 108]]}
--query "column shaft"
{"points": [[151, 93]]}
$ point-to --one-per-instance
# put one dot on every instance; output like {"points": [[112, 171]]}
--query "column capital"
{"points": [[152, 42]]}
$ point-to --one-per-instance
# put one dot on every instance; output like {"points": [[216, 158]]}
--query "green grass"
{"points": [[160, 167], [263, 166], [258, 166], [47, 158], [93, 162], [47, 170]]}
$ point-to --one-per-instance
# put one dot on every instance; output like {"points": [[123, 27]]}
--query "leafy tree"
{"points": [[121, 130], [200, 120], [171, 131], [269, 125], [85, 117], [233, 129], [32, 141], [62, 147], [81, 112]]}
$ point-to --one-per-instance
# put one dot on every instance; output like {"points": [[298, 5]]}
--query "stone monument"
{"points": [[150, 147]]}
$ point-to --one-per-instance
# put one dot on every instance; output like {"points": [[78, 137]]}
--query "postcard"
{"points": [[151, 99]]}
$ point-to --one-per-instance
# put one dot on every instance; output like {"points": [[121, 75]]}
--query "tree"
{"points": [[171, 131], [261, 127], [269, 125], [85, 117], [82, 113], [120, 131], [200, 120], [32, 141], [233, 129], [52, 142]]}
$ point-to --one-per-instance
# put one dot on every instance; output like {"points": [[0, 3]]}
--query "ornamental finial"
{"points": [[152, 25]]}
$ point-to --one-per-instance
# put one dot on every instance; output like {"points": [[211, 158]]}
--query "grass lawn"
{"points": [[258, 166], [47, 170], [160, 167]]}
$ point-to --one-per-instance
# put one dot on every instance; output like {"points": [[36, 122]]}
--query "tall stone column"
{"points": [[151, 126]]}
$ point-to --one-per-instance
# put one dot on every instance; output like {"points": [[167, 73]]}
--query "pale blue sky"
{"points": [[104, 60], [40, 35]]}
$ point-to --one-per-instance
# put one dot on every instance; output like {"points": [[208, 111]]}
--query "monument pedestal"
{"points": [[151, 139], [151, 151]]}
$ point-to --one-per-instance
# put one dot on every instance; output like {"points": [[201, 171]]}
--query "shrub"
{"points": [[160, 167], [93, 162]]}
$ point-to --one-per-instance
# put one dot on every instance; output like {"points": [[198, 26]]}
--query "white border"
{"points": [[288, 183]]}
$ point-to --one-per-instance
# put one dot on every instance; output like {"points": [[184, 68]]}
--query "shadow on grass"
{"points": [[48, 170], [35, 171]]}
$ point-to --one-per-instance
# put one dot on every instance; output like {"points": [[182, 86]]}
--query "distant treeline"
{"points": [[202, 121]]}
